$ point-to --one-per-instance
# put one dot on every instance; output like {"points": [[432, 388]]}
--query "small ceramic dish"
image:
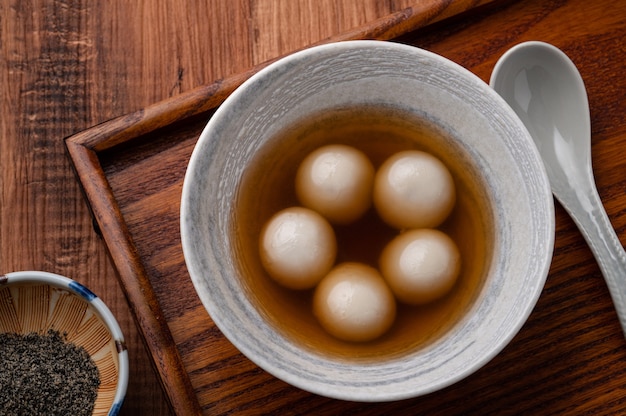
{"points": [[36, 302], [489, 142]]}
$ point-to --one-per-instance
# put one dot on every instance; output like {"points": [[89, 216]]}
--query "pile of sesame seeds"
{"points": [[45, 375]]}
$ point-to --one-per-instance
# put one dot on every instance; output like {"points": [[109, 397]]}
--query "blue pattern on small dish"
{"points": [[82, 290]]}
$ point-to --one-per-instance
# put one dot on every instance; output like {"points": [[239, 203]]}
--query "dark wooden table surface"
{"points": [[66, 66]]}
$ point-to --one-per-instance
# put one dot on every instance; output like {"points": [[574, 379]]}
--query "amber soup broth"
{"points": [[268, 186]]}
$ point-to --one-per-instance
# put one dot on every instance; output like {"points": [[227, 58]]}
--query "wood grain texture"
{"points": [[65, 66]]}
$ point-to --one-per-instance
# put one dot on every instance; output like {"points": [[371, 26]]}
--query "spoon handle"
{"points": [[588, 213]]}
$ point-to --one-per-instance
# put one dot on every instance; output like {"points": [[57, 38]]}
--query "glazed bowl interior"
{"points": [[37, 302], [478, 136]]}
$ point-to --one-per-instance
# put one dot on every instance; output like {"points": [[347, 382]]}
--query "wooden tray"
{"points": [[569, 357]]}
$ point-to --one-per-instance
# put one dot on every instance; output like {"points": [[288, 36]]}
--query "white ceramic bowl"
{"points": [[34, 301], [487, 135]]}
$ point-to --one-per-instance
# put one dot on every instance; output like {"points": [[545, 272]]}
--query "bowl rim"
{"points": [[541, 176], [103, 311]]}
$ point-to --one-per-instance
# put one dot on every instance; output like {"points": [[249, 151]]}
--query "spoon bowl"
{"points": [[544, 88]]}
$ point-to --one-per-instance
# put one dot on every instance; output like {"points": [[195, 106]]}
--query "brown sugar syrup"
{"points": [[268, 186]]}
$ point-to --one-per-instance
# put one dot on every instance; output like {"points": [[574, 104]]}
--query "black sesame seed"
{"points": [[46, 375]]}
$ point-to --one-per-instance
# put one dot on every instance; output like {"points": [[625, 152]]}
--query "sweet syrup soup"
{"points": [[268, 187]]}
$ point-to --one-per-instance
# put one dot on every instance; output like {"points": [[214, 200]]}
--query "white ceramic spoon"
{"points": [[545, 89]]}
